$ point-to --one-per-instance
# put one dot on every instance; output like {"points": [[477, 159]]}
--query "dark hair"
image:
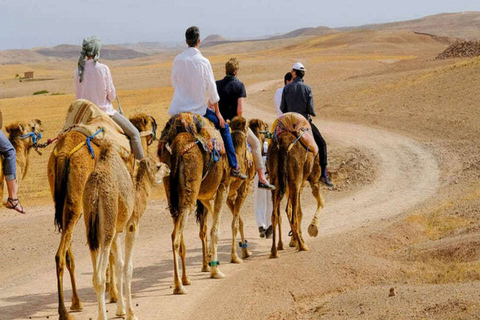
{"points": [[192, 35], [231, 66], [288, 77], [299, 73]]}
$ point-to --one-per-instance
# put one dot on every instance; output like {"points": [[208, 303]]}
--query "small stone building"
{"points": [[28, 75]]}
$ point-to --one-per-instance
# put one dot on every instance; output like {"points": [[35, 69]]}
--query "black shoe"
{"points": [[268, 232], [235, 172], [326, 181], [262, 232], [266, 186]]}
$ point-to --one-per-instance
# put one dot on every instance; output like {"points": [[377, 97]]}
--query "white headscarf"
{"points": [[90, 48]]}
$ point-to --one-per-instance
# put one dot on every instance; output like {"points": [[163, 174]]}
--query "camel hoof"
{"points": [[217, 275], [313, 230], [66, 317], [246, 253], [274, 255], [76, 306], [180, 290], [205, 269], [120, 313], [113, 299], [280, 246], [236, 259], [132, 317], [186, 281], [303, 248], [292, 244]]}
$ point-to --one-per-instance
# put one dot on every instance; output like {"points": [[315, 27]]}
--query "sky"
{"points": [[34, 23]]}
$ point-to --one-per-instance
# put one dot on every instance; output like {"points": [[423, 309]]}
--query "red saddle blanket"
{"points": [[298, 125], [201, 128]]}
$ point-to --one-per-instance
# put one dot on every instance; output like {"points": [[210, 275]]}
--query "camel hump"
{"points": [[298, 125], [85, 117]]}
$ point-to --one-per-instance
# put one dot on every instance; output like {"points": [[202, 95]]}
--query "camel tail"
{"points": [[62, 171], [174, 183], [282, 167], [93, 225]]}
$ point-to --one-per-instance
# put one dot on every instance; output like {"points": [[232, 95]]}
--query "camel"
{"points": [[113, 204], [68, 168], [290, 165], [238, 189], [24, 137], [195, 180]]}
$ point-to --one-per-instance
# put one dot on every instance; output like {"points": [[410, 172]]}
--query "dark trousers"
{"points": [[322, 146], [227, 138]]}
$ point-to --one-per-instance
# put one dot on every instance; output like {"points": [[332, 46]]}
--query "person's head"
{"points": [[288, 78], [231, 67], [298, 70], [90, 50], [192, 36]]}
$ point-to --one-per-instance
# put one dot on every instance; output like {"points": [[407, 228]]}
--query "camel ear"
{"points": [[144, 120]]}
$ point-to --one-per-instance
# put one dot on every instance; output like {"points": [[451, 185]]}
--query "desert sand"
{"points": [[403, 137]]}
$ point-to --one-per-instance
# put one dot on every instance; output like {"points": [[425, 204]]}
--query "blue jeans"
{"points": [[227, 138], [9, 157]]}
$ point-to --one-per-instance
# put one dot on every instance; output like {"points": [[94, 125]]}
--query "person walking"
{"points": [[297, 97], [93, 82], [9, 155], [232, 93], [195, 91], [277, 99]]}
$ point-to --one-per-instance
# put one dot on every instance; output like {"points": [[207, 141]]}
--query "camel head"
{"points": [[258, 127], [30, 131], [238, 124], [153, 171], [146, 125]]}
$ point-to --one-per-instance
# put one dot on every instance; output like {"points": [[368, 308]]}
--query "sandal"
{"points": [[11, 204]]}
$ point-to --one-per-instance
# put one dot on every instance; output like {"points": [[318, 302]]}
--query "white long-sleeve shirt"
{"points": [[277, 100], [194, 83], [96, 86]]}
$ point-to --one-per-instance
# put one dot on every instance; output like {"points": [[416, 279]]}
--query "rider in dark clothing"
{"points": [[297, 97]]}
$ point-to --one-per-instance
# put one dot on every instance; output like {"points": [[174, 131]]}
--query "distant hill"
{"points": [[318, 31], [463, 25], [68, 52]]}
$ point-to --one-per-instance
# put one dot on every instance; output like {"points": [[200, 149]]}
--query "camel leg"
{"points": [[183, 251], [275, 218], [242, 195], [295, 197], [234, 256], [300, 218], [111, 286], [245, 252], [70, 259], [288, 211], [60, 258], [119, 265], [217, 211], [203, 238], [132, 233], [100, 265], [313, 227], [179, 223]]}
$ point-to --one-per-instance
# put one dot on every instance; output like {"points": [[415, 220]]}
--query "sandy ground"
{"points": [[254, 289]]}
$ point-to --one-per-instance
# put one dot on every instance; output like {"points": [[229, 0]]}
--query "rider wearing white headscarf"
{"points": [[90, 48]]}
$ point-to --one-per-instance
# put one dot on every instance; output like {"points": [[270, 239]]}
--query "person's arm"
{"points": [[111, 93], [240, 107], [283, 105], [310, 106], [219, 115], [211, 86]]}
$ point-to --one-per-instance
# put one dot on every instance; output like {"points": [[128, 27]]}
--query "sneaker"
{"points": [[267, 186], [326, 181], [261, 230], [235, 172], [268, 232]]}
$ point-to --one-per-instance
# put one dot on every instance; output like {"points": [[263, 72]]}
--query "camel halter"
{"points": [[35, 138]]}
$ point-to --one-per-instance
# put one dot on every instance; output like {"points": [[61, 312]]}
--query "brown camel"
{"points": [[195, 180], [68, 169], [24, 137], [290, 165], [238, 189], [112, 204]]}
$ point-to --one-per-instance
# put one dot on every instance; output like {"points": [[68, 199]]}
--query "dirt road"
{"points": [[29, 243]]}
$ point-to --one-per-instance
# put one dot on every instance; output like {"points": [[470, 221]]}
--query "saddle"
{"points": [[298, 125], [206, 136], [85, 117]]}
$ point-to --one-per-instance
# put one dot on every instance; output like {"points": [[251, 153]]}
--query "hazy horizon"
{"points": [[26, 24]]}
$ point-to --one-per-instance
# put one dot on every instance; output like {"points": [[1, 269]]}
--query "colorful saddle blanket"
{"points": [[298, 125], [85, 117], [201, 128]]}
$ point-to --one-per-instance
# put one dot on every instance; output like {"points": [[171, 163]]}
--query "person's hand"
{"points": [[221, 120]]}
